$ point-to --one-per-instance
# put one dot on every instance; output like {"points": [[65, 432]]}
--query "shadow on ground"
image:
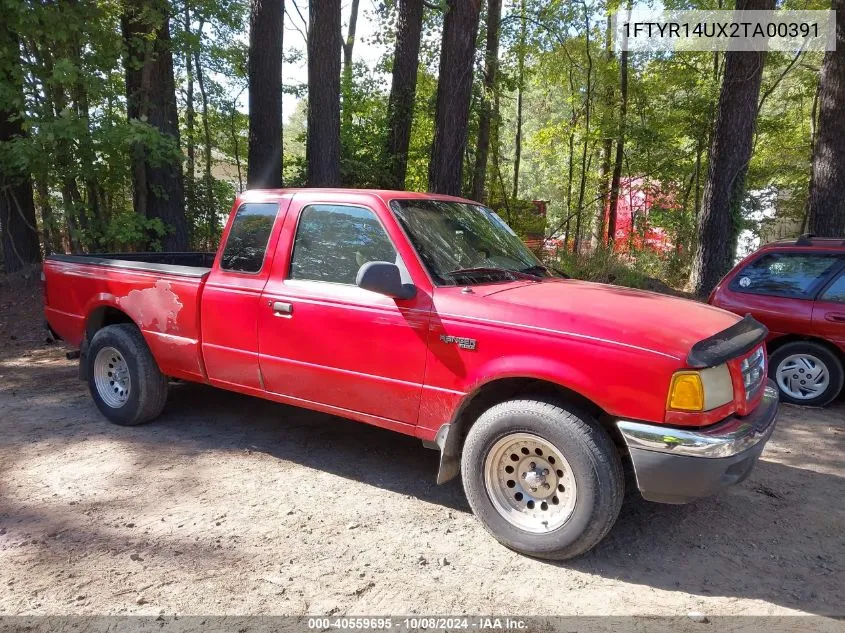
{"points": [[769, 534], [776, 538]]}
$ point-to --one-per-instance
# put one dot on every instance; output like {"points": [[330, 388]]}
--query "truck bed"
{"points": [[186, 264], [160, 292]]}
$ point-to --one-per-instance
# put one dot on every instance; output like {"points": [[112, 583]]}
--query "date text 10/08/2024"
{"points": [[415, 623]]}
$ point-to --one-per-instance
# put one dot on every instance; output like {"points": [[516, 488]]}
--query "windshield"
{"points": [[464, 243]]}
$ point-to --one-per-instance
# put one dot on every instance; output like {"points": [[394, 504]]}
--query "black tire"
{"points": [[828, 358], [147, 385], [593, 460]]}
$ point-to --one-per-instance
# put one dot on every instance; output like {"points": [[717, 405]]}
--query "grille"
{"points": [[754, 373]]}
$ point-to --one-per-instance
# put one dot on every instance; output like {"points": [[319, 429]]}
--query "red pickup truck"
{"points": [[426, 315]]}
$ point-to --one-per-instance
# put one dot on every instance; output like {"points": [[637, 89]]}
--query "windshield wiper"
{"points": [[481, 271], [538, 271], [544, 271]]}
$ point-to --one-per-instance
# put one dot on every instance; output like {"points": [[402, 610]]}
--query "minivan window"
{"points": [[247, 242], [333, 242], [785, 274], [835, 291]]}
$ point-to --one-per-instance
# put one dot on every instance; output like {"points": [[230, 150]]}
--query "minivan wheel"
{"points": [[123, 377], [543, 478], [806, 373]]}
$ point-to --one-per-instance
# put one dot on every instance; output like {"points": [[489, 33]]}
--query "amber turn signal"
{"points": [[686, 393]]}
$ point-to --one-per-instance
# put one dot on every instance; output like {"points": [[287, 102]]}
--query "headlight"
{"points": [[700, 390], [754, 372]]}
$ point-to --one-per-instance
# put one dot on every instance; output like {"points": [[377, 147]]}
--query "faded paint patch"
{"points": [[172, 339], [158, 305]]}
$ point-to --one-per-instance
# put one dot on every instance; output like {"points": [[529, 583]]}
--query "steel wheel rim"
{"points": [[530, 482], [111, 377], [803, 376]]}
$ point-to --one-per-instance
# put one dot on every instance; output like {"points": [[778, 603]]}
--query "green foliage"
{"points": [[79, 141], [643, 270], [363, 161], [127, 230], [422, 132], [521, 216]]}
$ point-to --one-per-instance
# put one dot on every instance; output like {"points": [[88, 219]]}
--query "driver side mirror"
{"points": [[384, 278]]}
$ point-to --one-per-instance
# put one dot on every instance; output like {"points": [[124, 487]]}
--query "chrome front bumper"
{"points": [[677, 465]]}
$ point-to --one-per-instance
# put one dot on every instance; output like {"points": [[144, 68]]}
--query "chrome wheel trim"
{"points": [[802, 376], [111, 377], [530, 483]]}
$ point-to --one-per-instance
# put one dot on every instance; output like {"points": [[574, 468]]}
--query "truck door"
{"points": [[324, 340], [232, 294], [829, 312]]}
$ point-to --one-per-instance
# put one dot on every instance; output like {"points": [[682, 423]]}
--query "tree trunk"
{"points": [[587, 111], [322, 147], [570, 175], [236, 141], [403, 89], [17, 216], [604, 194], [520, 85], [730, 153], [620, 149], [348, 44], [264, 155], [827, 189], [85, 143], [18, 228], [190, 116], [814, 130], [208, 181], [598, 234], [151, 99], [454, 91], [63, 160], [51, 243], [613, 203], [485, 119]]}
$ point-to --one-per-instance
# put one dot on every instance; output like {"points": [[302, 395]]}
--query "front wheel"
{"points": [[806, 373], [544, 479], [123, 377]]}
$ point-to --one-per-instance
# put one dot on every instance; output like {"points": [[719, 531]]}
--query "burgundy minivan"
{"points": [[797, 289]]}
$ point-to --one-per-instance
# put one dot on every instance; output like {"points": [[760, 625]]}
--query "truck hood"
{"points": [[661, 323]]}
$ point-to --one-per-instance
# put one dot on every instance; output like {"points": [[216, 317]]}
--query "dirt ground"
{"points": [[232, 505]]}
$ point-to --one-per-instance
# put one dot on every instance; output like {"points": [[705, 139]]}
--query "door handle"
{"points": [[281, 308], [835, 316]]}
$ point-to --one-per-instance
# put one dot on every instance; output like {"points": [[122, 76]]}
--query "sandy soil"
{"points": [[232, 505]]}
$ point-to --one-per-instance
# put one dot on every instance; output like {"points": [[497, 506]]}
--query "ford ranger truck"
{"points": [[426, 315]]}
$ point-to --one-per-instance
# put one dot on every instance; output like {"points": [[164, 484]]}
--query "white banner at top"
{"points": [[649, 30]]}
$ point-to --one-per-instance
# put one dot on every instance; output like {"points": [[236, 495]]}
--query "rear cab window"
{"points": [[248, 237], [795, 275]]}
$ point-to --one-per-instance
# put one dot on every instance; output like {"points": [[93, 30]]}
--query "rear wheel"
{"points": [[806, 373], [123, 377], [545, 480]]}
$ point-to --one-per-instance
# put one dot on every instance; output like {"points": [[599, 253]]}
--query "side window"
{"points": [[835, 291], [248, 238], [332, 242], [784, 274]]}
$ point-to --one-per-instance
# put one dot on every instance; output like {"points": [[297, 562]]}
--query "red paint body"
{"points": [[786, 317], [365, 356]]}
